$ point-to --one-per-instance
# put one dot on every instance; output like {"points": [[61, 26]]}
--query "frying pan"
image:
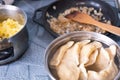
{"points": [[109, 12]]}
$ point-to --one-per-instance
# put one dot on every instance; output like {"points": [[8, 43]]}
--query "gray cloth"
{"points": [[31, 65]]}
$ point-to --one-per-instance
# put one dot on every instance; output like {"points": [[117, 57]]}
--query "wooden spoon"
{"points": [[85, 18]]}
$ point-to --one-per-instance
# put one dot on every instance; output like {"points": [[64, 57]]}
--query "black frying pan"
{"points": [[110, 13]]}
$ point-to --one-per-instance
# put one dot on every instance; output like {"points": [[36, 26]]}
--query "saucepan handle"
{"points": [[6, 53], [6, 49], [38, 16]]}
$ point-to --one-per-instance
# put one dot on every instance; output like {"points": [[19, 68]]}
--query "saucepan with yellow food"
{"points": [[83, 56], [13, 33]]}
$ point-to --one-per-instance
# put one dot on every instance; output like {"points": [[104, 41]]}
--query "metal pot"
{"points": [[13, 47], [78, 36]]}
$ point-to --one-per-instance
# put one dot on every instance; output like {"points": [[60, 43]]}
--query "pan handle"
{"points": [[6, 49], [6, 53], [38, 15]]}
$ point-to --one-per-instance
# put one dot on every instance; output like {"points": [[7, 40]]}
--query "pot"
{"points": [[12, 48], [109, 12], [78, 36]]}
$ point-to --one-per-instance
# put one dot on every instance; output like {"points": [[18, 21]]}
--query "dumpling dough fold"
{"points": [[107, 74]]}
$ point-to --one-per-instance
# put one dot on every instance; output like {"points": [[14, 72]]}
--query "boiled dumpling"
{"points": [[108, 73], [68, 68], [112, 51], [87, 50], [102, 61], [55, 61], [92, 58], [83, 72], [81, 44]]}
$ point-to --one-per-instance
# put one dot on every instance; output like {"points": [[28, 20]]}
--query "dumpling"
{"points": [[92, 58], [68, 68], [68, 72], [80, 44], [102, 61], [108, 73], [93, 75], [87, 50], [83, 72], [55, 61], [112, 51]]}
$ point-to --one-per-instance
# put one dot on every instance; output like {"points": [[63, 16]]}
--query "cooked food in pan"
{"points": [[84, 60], [9, 27], [62, 25]]}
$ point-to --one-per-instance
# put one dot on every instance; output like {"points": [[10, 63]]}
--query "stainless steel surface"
{"points": [[13, 12], [19, 41], [78, 36]]}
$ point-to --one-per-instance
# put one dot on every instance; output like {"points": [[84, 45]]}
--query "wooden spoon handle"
{"points": [[109, 28]]}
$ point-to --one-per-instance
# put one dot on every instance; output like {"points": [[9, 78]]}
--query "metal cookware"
{"points": [[78, 36], [13, 47], [110, 13]]}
